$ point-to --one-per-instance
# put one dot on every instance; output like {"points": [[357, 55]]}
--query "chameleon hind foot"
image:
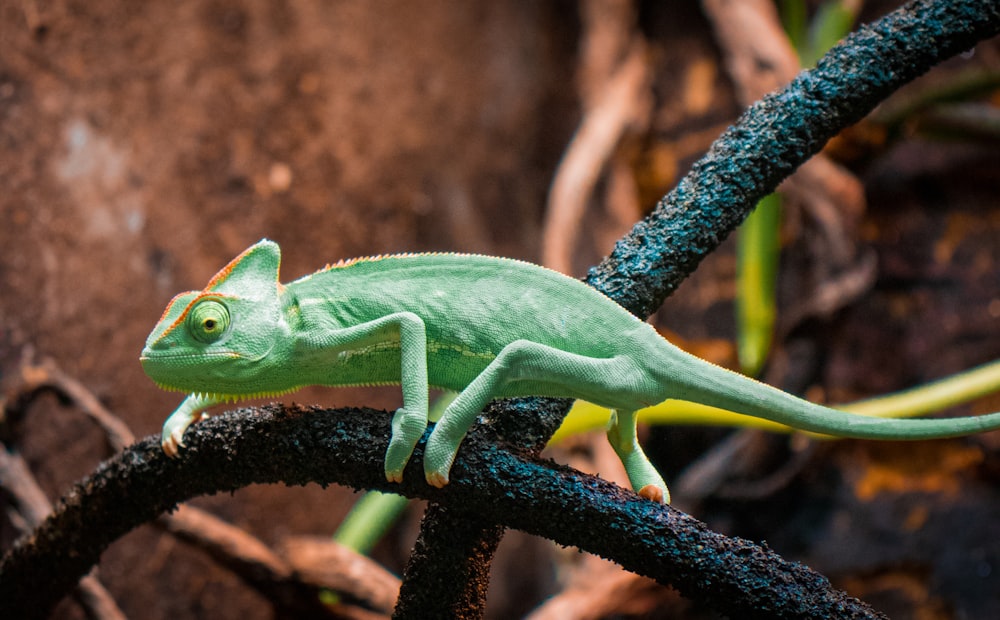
{"points": [[655, 493], [642, 476]]}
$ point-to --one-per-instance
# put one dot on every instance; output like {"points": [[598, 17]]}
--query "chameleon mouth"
{"points": [[162, 356], [151, 355]]}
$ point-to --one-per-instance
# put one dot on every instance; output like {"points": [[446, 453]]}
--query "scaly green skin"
{"points": [[482, 326]]}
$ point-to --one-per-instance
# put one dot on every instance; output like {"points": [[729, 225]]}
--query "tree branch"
{"points": [[448, 569], [295, 445]]}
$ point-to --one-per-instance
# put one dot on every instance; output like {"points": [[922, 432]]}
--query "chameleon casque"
{"points": [[482, 326]]}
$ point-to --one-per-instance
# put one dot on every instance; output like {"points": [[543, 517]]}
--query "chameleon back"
{"points": [[472, 305]]}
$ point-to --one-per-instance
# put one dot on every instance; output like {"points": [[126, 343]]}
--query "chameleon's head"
{"points": [[221, 340]]}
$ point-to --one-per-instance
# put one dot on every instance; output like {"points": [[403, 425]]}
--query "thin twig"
{"points": [[293, 576], [603, 590], [47, 375], [614, 99]]}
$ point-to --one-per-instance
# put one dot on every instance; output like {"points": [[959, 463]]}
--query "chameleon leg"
{"points": [[550, 371], [187, 413], [641, 474], [410, 420], [408, 426]]}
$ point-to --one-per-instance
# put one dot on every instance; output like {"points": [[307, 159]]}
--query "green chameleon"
{"points": [[481, 326]]}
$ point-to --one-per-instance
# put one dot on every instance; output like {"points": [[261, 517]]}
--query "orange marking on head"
{"points": [[170, 305], [226, 271]]}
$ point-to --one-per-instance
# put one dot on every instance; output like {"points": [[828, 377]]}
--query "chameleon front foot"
{"points": [[172, 444], [190, 411], [408, 427], [437, 479], [172, 439], [438, 459], [394, 463]]}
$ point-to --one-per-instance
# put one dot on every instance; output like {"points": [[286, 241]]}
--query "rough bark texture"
{"points": [[297, 446]]}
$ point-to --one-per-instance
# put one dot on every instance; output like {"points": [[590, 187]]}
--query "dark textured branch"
{"points": [[450, 561], [438, 585], [297, 446], [767, 144], [779, 133]]}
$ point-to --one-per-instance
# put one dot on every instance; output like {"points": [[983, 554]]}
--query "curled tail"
{"points": [[696, 380]]}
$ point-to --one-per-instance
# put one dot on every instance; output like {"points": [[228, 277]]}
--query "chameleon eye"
{"points": [[208, 321]]}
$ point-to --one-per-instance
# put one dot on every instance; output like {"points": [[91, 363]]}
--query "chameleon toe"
{"points": [[437, 479], [655, 493]]}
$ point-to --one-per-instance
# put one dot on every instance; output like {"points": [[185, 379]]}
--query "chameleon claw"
{"points": [[394, 476], [173, 442], [655, 493], [189, 412], [437, 479], [172, 446]]}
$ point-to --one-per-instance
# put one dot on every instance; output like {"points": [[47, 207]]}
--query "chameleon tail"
{"points": [[693, 379]]}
